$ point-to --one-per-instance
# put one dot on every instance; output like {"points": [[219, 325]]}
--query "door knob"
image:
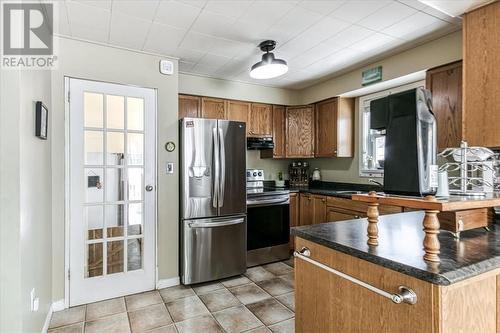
{"points": [[149, 188]]}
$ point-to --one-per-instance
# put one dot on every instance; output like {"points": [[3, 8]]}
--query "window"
{"points": [[372, 142]]}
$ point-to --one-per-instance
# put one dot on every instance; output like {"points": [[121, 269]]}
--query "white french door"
{"points": [[111, 190]]}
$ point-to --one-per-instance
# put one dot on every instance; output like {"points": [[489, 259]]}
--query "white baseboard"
{"points": [[58, 305], [47, 320], [165, 283], [54, 307]]}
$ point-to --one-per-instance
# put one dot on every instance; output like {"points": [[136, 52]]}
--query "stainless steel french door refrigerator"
{"points": [[213, 231]]}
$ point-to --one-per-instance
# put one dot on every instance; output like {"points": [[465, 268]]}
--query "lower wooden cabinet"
{"points": [[325, 302], [334, 214]]}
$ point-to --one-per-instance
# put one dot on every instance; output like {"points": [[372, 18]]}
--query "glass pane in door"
{"points": [[115, 112], [115, 220], [115, 148], [135, 184], [92, 109], [94, 218], [115, 256], [135, 113], [94, 260], [115, 184], [134, 254], [135, 219], [93, 147], [93, 185], [135, 148]]}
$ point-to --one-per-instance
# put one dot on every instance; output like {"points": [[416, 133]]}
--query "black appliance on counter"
{"points": [[410, 166], [260, 143]]}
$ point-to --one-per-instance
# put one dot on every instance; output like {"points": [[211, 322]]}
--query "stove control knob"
{"points": [[260, 173], [255, 174]]}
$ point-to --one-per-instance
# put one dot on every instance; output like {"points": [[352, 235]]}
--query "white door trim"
{"points": [[67, 162]]}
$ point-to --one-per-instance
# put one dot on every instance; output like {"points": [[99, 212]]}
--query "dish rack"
{"points": [[471, 170]]}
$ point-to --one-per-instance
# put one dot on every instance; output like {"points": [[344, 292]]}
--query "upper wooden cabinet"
{"points": [[213, 108], [189, 106], [299, 131], [335, 128], [445, 83], [237, 111], [260, 120], [481, 46], [279, 134]]}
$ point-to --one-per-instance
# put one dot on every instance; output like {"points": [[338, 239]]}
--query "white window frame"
{"points": [[364, 128]]}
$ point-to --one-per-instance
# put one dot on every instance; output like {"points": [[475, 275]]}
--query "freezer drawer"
{"points": [[213, 249]]}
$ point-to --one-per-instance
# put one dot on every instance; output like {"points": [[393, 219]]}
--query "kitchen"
{"points": [[357, 181]]}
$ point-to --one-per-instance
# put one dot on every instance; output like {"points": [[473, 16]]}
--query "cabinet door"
{"points": [[319, 209], [213, 108], [445, 83], [260, 120], [279, 131], [334, 215], [300, 131], [326, 128], [189, 106], [481, 76], [306, 209], [237, 111]]}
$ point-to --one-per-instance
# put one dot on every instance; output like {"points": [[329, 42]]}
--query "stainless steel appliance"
{"points": [[268, 221], [213, 230], [410, 166]]}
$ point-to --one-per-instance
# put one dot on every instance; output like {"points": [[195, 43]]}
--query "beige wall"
{"points": [[204, 86], [96, 62], [438, 52], [25, 202], [271, 167]]}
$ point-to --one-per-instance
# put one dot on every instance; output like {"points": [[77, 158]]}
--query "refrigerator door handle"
{"points": [[215, 224], [222, 167], [215, 190]]}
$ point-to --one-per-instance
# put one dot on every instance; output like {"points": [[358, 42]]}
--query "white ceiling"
{"points": [[318, 38]]}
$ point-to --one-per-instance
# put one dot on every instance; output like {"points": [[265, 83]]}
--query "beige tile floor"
{"points": [[261, 300]]}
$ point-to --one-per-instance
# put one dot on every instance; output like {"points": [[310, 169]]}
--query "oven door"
{"points": [[268, 222]]}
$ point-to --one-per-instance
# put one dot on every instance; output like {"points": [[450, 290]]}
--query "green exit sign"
{"points": [[371, 75]]}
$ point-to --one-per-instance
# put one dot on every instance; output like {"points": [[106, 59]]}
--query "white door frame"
{"points": [[67, 184]]}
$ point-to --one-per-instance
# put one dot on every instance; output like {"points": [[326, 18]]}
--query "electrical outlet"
{"points": [[34, 301]]}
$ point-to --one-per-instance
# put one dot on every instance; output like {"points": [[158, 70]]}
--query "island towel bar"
{"points": [[405, 295]]}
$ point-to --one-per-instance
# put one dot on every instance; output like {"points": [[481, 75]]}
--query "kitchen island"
{"points": [[345, 285]]}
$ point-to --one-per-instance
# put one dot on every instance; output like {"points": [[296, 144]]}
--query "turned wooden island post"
{"points": [[432, 207]]}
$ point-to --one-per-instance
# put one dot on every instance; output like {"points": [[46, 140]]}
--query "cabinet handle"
{"points": [[405, 294], [323, 200]]}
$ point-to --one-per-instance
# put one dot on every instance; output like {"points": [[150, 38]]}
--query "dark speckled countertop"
{"points": [[333, 189], [400, 247]]}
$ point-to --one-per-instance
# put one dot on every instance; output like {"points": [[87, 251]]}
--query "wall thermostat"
{"points": [[166, 67]]}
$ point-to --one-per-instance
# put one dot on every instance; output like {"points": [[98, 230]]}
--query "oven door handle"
{"points": [[278, 201]]}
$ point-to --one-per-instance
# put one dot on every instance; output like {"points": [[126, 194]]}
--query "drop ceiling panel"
{"points": [[128, 31], [219, 38], [177, 14], [355, 10], [144, 9]]}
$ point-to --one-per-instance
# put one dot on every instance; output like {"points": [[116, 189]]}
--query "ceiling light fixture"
{"points": [[269, 67]]}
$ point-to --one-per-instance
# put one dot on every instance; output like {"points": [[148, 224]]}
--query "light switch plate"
{"points": [[170, 167]]}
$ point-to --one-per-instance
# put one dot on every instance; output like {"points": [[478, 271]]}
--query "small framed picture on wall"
{"points": [[41, 120]]}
